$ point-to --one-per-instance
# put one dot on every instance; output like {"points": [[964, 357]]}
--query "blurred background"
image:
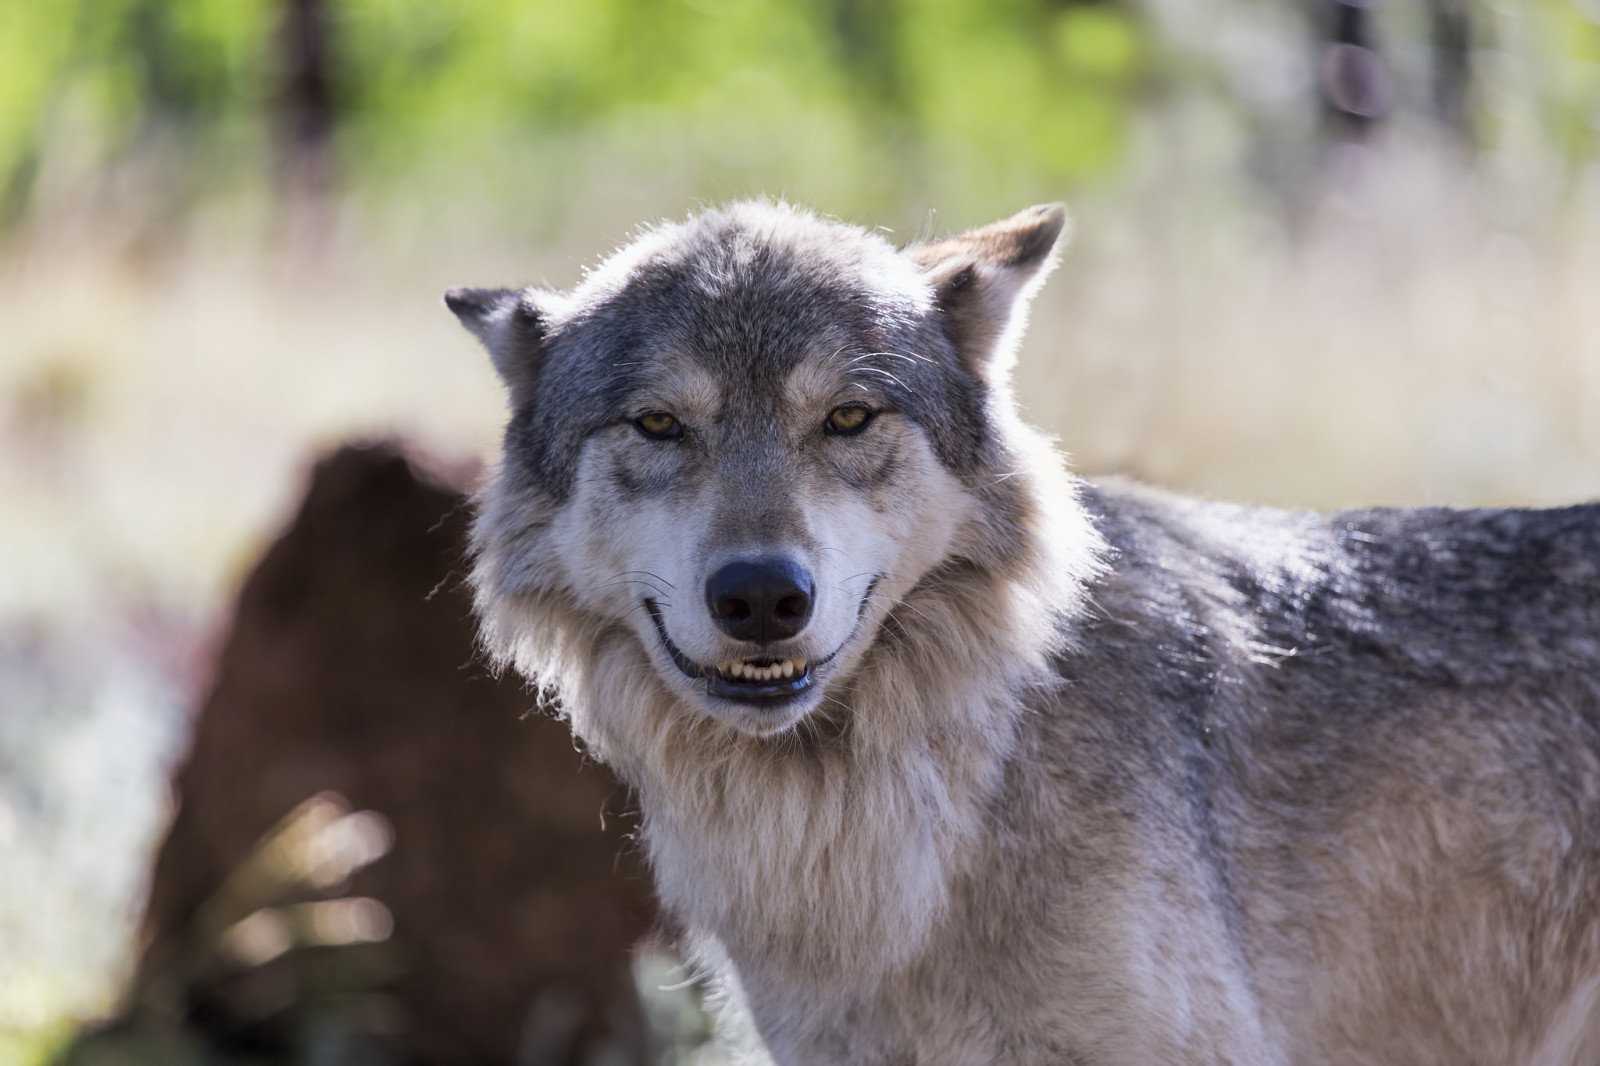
{"points": [[1326, 254]]}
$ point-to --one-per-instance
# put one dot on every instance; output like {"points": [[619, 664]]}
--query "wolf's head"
{"points": [[740, 445]]}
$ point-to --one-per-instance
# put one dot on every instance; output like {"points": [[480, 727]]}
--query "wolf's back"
{"points": [[1433, 595]]}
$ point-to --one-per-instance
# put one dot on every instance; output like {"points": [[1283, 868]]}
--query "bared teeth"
{"points": [[748, 671]]}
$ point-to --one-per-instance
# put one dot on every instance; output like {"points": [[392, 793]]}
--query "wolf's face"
{"points": [[747, 438]]}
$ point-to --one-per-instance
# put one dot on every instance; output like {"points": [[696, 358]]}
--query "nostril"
{"points": [[761, 599], [794, 606], [730, 607]]}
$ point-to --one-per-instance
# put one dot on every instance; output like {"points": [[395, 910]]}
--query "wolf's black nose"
{"points": [[761, 599]]}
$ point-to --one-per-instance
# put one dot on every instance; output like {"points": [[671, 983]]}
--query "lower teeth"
{"points": [[762, 674]]}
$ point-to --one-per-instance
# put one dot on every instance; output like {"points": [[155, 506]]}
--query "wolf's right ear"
{"points": [[510, 325], [983, 280]]}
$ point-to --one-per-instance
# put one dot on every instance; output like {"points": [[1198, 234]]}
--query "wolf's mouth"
{"points": [[756, 678], [759, 679]]}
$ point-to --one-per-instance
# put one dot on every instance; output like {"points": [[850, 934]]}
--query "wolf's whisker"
{"points": [[890, 633], [660, 592], [915, 357], [908, 606], [639, 608], [883, 374], [631, 581], [647, 573], [842, 703]]}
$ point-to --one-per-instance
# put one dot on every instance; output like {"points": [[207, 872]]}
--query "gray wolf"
{"points": [[947, 757]]}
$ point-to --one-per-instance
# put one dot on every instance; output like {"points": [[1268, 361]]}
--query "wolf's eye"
{"points": [[658, 425], [848, 419]]}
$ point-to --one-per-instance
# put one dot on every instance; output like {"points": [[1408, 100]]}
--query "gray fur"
{"points": [[1087, 774]]}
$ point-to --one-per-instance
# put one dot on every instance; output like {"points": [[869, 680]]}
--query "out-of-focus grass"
{"points": [[1403, 348], [175, 344], [157, 406], [87, 728], [30, 1044]]}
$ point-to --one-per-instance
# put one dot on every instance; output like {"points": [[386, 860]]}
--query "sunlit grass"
{"points": [[179, 336], [1406, 344], [36, 1040]]}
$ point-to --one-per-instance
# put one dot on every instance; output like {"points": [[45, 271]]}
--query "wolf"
{"points": [[946, 756]]}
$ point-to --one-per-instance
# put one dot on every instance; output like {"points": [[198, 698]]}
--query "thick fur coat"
{"points": [[1021, 769]]}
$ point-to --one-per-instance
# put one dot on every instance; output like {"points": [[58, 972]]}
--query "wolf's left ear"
{"points": [[510, 325], [984, 278]]}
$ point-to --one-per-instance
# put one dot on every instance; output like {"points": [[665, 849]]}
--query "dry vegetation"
{"points": [[1406, 344], [1400, 349]]}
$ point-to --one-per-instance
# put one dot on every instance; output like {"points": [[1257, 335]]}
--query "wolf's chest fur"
{"points": [[945, 757]]}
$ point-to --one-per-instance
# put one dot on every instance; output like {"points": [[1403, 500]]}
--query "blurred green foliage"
{"points": [[861, 101], [1570, 35], [735, 87]]}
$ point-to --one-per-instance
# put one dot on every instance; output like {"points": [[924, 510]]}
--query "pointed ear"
{"points": [[984, 278], [511, 326]]}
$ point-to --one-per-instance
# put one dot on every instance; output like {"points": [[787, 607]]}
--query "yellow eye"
{"points": [[658, 424], [850, 418]]}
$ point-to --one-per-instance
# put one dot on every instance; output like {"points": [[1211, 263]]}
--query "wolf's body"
{"points": [[1058, 773]]}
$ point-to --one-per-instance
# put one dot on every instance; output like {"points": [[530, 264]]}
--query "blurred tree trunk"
{"points": [[1450, 41], [306, 117], [1353, 80], [1355, 83]]}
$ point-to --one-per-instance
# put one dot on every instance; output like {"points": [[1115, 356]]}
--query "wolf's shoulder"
{"points": [[1463, 595]]}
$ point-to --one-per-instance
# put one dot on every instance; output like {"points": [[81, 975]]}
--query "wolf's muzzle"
{"points": [[761, 600], [760, 677], [752, 679]]}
